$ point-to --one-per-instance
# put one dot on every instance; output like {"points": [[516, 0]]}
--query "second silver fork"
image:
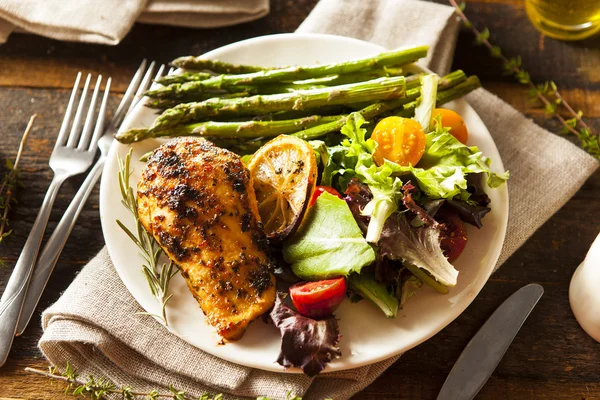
{"points": [[49, 255], [73, 153]]}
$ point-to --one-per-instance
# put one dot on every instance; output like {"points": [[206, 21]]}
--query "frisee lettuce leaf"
{"points": [[329, 243]]}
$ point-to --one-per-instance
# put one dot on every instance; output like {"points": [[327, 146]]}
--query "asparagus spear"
{"points": [[378, 89], [245, 129], [272, 88], [343, 79], [221, 67], [164, 104], [294, 114], [293, 73], [183, 91], [408, 108], [183, 77]]}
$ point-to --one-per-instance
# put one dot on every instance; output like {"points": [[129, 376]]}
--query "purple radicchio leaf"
{"points": [[306, 343]]}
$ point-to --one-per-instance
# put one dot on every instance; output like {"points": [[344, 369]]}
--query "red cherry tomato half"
{"points": [[455, 240], [318, 299], [319, 190]]}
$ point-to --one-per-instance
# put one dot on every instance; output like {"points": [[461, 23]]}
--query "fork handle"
{"points": [[16, 288], [51, 251]]}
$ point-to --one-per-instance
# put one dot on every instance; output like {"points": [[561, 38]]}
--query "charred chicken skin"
{"points": [[198, 202]]}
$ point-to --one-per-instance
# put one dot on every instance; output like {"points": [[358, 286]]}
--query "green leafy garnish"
{"points": [[329, 243]]}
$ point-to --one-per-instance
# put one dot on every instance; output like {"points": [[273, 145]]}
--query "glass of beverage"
{"points": [[565, 19]]}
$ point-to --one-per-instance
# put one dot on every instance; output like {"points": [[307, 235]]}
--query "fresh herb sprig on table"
{"points": [[10, 182], [546, 93], [158, 275], [99, 388]]}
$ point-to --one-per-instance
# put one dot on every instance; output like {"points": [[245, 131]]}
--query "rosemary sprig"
{"points": [[158, 275], [11, 180], [98, 389], [546, 93]]}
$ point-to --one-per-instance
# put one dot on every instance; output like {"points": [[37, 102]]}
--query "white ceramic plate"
{"points": [[367, 336]]}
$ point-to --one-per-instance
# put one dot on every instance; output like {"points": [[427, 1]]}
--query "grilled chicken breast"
{"points": [[197, 200]]}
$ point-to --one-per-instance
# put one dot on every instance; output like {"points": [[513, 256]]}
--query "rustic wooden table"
{"points": [[551, 358]]}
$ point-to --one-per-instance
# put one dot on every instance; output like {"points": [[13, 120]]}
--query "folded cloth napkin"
{"points": [[94, 326], [108, 21]]}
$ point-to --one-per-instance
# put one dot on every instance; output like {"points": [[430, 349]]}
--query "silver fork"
{"points": [[73, 153], [49, 255]]}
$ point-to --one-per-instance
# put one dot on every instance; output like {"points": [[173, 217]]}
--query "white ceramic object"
{"points": [[367, 336], [584, 292]]}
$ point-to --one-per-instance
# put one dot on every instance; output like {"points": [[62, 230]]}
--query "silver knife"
{"points": [[482, 355]]}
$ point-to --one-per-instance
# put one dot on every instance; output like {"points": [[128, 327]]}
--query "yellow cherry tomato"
{"points": [[400, 140], [451, 119]]}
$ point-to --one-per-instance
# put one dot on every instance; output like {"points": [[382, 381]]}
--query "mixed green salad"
{"points": [[380, 231]]}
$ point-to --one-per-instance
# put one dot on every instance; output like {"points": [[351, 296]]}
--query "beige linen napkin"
{"points": [[94, 326], [108, 21]]}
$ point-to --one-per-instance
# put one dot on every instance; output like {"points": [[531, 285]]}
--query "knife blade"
{"points": [[482, 355]]}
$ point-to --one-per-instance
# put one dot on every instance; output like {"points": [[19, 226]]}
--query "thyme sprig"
{"points": [[158, 275], [99, 388], [12, 180], [546, 93]]}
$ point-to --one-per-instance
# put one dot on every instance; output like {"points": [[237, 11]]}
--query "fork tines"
{"points": [[85, 138]]}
